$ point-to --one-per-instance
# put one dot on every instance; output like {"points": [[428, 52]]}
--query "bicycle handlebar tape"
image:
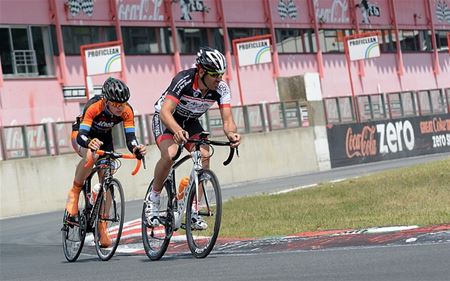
{"points": [[230, 157], [136, 169]]}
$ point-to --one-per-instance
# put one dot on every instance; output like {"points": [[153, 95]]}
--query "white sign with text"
{"points": [[363, 48], [103, 60], [254, 52]]}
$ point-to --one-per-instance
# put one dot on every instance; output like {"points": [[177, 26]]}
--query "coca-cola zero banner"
{"points": [[351, 144]]}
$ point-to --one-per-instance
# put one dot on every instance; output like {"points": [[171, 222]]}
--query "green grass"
{"points": [[418, 195]]}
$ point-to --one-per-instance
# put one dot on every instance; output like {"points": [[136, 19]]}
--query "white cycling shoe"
{"points": [[198, 223], [152, 210]]}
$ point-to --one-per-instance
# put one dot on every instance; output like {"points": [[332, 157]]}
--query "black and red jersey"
{"points": [[185, 92]]}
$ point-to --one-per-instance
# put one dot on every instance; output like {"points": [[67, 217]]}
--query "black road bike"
{"points": [[202, 197], [107, 211]]}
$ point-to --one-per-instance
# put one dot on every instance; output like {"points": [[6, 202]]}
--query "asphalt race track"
{"points": [[30, 247]]}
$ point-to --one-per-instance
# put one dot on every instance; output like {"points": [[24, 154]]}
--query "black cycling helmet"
{"points": [[211, 60], [115, 90]]}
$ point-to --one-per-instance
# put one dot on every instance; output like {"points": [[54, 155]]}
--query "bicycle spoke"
{"points": [[156, 238], [202, 236], [73, 232], [109, 221]]}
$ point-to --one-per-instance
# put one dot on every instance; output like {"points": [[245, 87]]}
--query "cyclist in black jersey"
{"points": [[191, 93]]}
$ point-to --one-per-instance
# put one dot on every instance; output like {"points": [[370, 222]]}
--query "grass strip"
{"points": [[417, 195]]}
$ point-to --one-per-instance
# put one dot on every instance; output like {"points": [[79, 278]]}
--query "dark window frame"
{"points": [[303, 45], [31, 59], [162, 40], [73, 38]]}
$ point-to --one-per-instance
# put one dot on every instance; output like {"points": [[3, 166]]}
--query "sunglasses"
{"points": [[117, 104], [214, 74]]}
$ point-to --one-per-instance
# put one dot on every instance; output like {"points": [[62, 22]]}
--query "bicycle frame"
{"points": [[196, 171], [201, 234], [92, 210], [177, 206], [108, 208]]}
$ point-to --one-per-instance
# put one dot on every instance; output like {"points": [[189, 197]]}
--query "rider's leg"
{"points": [[168, 149], [81, 174], [105, 239]]}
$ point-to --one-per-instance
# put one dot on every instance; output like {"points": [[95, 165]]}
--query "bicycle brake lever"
{"points": [[237, 151], [143, 162]]}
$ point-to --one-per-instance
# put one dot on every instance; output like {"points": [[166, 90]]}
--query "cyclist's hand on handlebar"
{"points": [[95, 144], [181, 136], [140, 151], [234, 138]]}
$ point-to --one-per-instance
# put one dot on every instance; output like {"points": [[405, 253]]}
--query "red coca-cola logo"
{"points": [[362, 144]]}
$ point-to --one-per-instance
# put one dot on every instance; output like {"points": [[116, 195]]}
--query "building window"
{"points": [[146, 40], [415, 41], [26, 51], [294, 40], [408, 41], [332, 41], [236, 33], [387, 41], [441, 40], [191, 39], [76, 36]]}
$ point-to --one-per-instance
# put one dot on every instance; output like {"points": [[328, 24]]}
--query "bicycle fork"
{"points": [[200, 191]]}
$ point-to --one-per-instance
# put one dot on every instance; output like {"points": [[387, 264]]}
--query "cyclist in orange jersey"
{"points": [[93, 130]]}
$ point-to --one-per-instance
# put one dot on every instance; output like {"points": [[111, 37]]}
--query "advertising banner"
{"points": [[103, 60], [363, 48], [351, 144], [254, 52]]}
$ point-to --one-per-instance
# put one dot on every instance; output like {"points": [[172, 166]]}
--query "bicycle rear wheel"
{"points": [[209, 207], [74, 231], [156, 239], [109, 220]]}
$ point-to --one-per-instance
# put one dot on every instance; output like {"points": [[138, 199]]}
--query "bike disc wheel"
{"points": [[209, 207], [109, 220], [73, 233], [156, 239]]}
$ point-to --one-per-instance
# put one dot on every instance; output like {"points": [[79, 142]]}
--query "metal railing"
{"points": [[24, 62], [387, 105], [55, 138]]}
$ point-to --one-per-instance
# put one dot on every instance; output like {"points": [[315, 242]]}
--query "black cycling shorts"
{"points": [[160, 132]]}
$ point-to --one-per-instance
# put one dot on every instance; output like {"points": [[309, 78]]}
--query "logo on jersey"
{"points": [[104, 124], [192, 107]]}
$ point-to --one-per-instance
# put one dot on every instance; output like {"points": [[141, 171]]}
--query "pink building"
{"points": [[42, 77]]}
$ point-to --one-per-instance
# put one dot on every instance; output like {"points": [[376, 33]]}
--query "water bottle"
{"points": [[183, 183], [180, 195], [94, 192]]}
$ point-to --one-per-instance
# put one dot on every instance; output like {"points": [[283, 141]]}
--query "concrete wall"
{"points": [[36, 185]]}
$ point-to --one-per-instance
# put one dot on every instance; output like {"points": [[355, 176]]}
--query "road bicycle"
{"points": [[202, 196], [108, 209]]}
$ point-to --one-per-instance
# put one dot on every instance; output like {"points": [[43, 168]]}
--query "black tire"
{"points": [[201, 242], [110, 215], [74, 233], [157, 239]]}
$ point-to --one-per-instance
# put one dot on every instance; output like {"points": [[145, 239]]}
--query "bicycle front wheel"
{"points": [[109, 220], [156, 239], [74, 231], [205, 212]]}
